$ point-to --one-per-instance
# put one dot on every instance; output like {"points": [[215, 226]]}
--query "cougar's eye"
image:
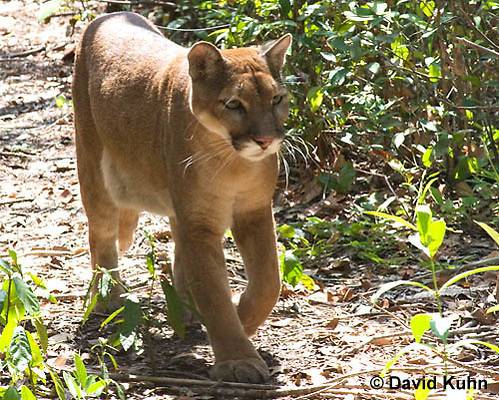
{"points": [[276, 99], [233, 104]]}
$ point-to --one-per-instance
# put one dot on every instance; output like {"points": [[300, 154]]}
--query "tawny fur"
{"points": [[153, 134]]}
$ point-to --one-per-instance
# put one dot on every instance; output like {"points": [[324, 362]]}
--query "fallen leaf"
{"points": [[333, 323]]}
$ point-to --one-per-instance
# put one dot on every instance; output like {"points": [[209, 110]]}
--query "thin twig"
{"points": [[23, 53], [164, 380], [387, 184], [472, 24], [15, 154], [13, 201], [462, 107], [485, 372], [261, 391], [484, 49]]}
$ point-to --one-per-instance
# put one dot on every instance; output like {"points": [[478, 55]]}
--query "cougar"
{"points": [[192, 134]]}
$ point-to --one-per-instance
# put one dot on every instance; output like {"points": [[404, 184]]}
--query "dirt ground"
{"points": [[310, 338]]}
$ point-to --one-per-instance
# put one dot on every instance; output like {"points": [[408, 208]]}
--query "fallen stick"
{"points": [[23, 53], [259, 391], [13, 201]]}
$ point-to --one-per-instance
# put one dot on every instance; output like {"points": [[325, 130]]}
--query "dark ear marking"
{"points": [[275, 53], [204, 60]]}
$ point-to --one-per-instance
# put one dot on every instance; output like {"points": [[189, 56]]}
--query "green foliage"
{"points": [[82, 385], [23, 352], [429, 238], [292, 270], [386, 81]]}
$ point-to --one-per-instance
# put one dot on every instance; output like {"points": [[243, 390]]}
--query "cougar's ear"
{"points": [[275, 52], [204, 60]]}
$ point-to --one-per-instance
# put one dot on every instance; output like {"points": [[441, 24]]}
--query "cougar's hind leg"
{"points": [[102, 213], [128, 220]]}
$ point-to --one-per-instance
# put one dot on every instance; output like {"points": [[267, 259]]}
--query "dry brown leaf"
{"points": [[483, 318], [333, 323], [383, 341]]}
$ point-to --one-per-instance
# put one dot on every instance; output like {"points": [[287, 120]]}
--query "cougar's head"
{"points": [[238, 95]]}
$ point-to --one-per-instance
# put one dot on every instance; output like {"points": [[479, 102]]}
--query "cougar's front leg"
{"points": [[254, 233], [199, 254]]}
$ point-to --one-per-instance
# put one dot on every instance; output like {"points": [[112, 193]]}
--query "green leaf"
{"points": [[440, 326], [19, 350], [36, 353], [48, 9], [13, 257], [463, 275], [112, 316], [41, 330], [27, 297], [174, 308], [337, 76], [26, 393], [315, 96], [391, 217], [91, 305], [493, 309], [390, 285], [400, 49], [132, 318], [423, 220], [415, 240], [492, 232], [105, 284], [11, 394], [72, 385], [5, 267], [286, 231], [59, 386], [7, 333], [406, 349], [80, 371], [291, 267], [427, 6], [422, 392], [426, 157], [422, 196], [434, 72], [96, 388], [436, 236], [420, 323], [307, 281]]}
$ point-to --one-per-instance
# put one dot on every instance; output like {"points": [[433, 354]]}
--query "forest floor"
{"points": [[333, 334]]}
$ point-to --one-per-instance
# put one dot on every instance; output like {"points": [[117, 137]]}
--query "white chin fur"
{"points": [[253, 152], [211, 123]]}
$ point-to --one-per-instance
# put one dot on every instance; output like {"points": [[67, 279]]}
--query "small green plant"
{"points": [[24, 341], [130, 319], [428, 237], [24, 338], [81, 384]]}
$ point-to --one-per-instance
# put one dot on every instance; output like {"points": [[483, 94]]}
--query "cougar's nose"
{"points": [[263, 141]]}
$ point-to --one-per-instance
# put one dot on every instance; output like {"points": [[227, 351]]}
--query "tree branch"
{"points": [[469, 43]]}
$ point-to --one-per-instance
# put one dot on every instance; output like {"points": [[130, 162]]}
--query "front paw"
{"points": [[247, 370]]}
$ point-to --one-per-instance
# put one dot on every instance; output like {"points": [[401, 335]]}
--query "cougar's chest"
{"points": [[134, 188]]}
